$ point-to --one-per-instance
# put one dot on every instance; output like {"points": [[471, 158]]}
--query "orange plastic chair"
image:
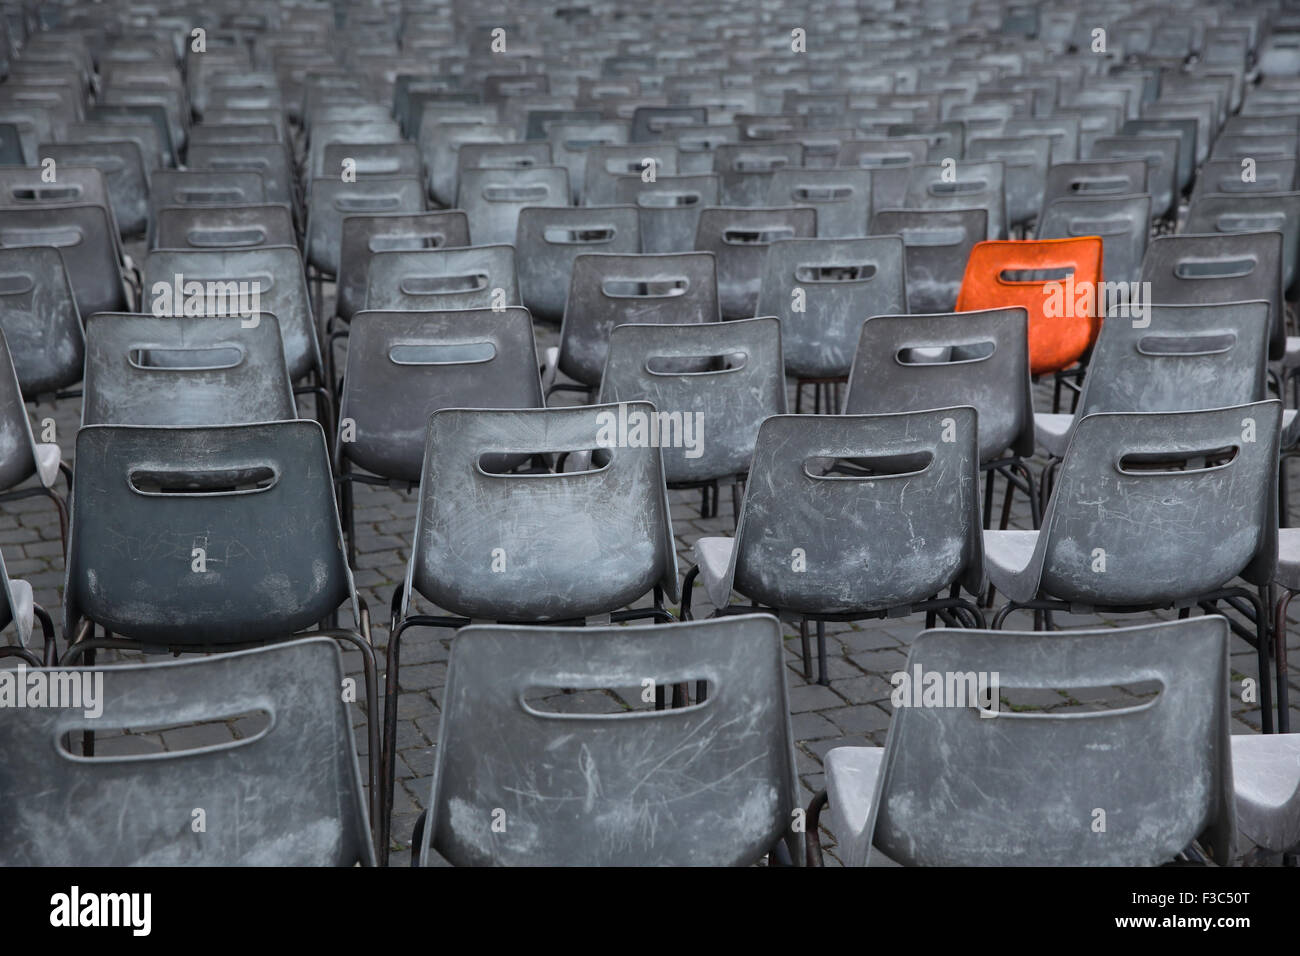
{"points": [[1064, 311]]}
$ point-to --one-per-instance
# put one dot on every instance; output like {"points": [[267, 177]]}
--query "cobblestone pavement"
{"points": [[854, 709]]}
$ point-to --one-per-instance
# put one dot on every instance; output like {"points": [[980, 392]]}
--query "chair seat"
{"points": [[1287, 574], [1007, 555], [851, 774], [1052, 432], [713, 558], [1266, 782], [48, 457]]}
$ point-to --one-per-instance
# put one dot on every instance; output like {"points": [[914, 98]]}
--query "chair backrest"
{"points": [[492, 198], [1063, 131], [612, 290], [142, 134], [87, 239], [710, 784], [708, 420], [1179, 358], [668, 209], [40, 320], [201, 187], [841, 196], [371, 161], [498, 546], [403, 366], [124, 174], [937, 243], [1161, 156], [214, 535], [24, 187], [1064, 315], [443, 157], [1220, 267], [296, 783], [1122, 222], [272, 160], [1025, 161], [219, 372], [650, 124], [571, 142], [1117, 529], [822, 290], [607, 164], [1095, 177], [1160, 127], [984, 364], [1230, 176], [811, 543], [364, 236], [967, 185], [1251, 212], [225, 227], [436, 280], [550, 238], [959, 788], [268, 278], [943, 138], [745, 169], [332, 200], [740, 238]]}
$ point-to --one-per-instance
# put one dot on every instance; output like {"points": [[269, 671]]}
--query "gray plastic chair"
{"points": [[715, 412], [606, 165], [87, 240], [493, 198], [288, 796], [209, 539], [1221, 267], [1251, 212], [841, 196], [571, 142], [1161, 156], [837, 283], [172, 187], [1188, 142], [675, 804], [1063, 131], [277, 274], [1154, 510], [1123, 222], [1228, 176], [403, 366], [611, 290], [745, 169], [1095, 178], [436, 280], [909, 363], [443, 154], [365, 236], [272, 160], [570, 545], [332, 200], [740, 238], [549, 239], [1025, 161], [951, 788], [669, 208], [124, 173], [937, 243], [222, 372], [225, 227], [39, 318], [825, 547], [977, 185]]}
